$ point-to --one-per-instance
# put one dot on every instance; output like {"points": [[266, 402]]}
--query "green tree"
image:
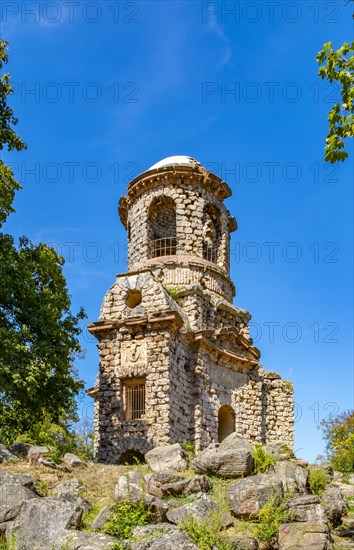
{"points": [[38, 332], [338, 66], [339, 434]]}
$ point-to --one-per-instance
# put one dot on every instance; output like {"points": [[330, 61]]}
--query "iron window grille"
{"points": [[134, 399]]}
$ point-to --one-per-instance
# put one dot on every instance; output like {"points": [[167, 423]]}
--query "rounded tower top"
{"points": [[175, 216], [176, 160]]}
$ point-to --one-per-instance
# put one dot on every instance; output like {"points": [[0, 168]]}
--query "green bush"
{"points": [[60, 440], [318, 480], [343, 457], [206, 533], [338, 431], [262, 459], [270, 517], [125, 516]]}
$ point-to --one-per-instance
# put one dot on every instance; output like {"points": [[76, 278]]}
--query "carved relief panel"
{"points": [[133, 352]]}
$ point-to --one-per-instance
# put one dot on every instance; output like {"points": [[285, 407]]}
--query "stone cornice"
{"points": [[93, 392], [170, 176], [180, 260], [240, 360], [171, 318]]}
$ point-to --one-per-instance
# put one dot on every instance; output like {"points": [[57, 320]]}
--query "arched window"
{"points": [[226, 422], [211, 233], [162, 232]]}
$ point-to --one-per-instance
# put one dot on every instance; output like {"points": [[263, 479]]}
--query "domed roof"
{"points": [[177, 159]]}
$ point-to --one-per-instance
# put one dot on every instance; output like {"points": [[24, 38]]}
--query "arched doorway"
{"points": [[226, 422]]}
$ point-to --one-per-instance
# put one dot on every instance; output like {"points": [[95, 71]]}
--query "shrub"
{"points": [[270, 517], [125, 516], [206, 533], [262, 459], [318, 479], [60, 440], [339, 434]]}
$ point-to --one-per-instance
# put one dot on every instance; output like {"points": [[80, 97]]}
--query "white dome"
{"points": [[178, 159]]}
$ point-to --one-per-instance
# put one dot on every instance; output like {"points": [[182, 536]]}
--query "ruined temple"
{"points": [[176, 359]]}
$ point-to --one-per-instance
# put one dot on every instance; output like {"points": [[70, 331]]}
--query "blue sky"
{"points": [[103, 90]]}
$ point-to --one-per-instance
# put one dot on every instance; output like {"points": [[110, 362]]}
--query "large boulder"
{"points": [[304, 536], [6, 454], [25, 480], [243, 543], [72, 485], [293, 477], [334, 504], [199, 509], [167, 458], [131, 486], [20, 449], [103, 516], [164, 484], [68, 496], [73, 461], [162, 536], [41, 522], [36, 451], [232, 458], [14, 490], [306, 508], [80, 540], [247, 496]]}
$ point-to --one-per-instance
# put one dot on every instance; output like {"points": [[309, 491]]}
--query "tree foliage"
{"points": [[38, 332], [338, 66], [8, 139], [339, 434]]}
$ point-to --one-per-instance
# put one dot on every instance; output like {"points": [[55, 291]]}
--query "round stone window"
{"points": [[133, 298]]}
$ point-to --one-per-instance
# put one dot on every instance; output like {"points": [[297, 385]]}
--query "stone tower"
{"points": [[176, 360]]}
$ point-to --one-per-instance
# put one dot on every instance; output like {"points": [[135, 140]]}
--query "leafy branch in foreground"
{"points": [[338, 66]]}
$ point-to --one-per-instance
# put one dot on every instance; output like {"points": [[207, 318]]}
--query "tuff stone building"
{"points": [[176, 359]]}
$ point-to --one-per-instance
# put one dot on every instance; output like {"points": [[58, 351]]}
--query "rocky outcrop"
{"points": [[15, 489], [232, 458], [6, 454], [306, 508], [304, 536], [335, 506], [73, 461], [247, 496], [131, 486], [164, 484], [243, 543], [169, 458], [41, 522], [200, 509], [163, 536], [293, 477]]}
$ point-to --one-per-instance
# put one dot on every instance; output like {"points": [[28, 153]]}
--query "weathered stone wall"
{"points": [[190, 203]]}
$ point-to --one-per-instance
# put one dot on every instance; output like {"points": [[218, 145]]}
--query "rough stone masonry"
{"points": [[176, 360]]}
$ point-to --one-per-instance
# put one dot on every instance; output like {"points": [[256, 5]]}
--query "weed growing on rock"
{"points": [[270, 517], [318, 480], [262, 459]]}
